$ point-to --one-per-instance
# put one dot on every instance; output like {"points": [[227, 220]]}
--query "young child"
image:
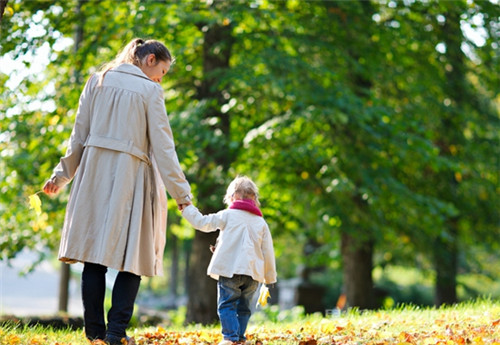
{"points": [[243, 256]]}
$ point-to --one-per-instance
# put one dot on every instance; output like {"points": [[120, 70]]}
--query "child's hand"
{"points": [[183, 206], [50, 188], [263, 295]]}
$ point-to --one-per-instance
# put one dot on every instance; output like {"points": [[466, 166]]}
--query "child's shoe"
{"points": [[228, 342]]}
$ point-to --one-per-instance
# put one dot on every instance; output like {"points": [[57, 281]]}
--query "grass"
{"points": [[476, 322]]}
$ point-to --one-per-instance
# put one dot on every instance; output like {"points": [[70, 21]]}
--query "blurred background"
{"points": [[371, 128]]}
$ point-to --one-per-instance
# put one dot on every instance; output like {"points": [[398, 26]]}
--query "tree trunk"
{"points": [[202, 290], [453, 123], [174, 270], [64, 287], [445, 263], [357, 271], [357, 247], [65, 269], [187, 255], [3, 5]]}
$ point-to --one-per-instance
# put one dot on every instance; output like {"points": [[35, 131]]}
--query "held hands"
{"points": [[184, 205], [50, 188]]}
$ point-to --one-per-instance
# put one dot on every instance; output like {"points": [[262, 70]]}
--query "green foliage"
{"points": [[275, 315], [359, 117]]}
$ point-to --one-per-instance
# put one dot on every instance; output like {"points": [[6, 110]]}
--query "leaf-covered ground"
{"points": [[477, 323]]}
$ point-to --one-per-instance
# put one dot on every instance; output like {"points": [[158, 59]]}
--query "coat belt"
{"points": [[126, 146]]}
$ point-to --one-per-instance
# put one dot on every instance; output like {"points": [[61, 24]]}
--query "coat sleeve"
{"points": [[269, 259], [68, 165], [163, 147], [208, 223]]}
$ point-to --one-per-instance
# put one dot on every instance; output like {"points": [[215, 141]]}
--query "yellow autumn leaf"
{"points": [[263, 296], [35, 203], [478, 340], [327, 326], [9, 11], [13, 339], [54, 120], [205, 336]]}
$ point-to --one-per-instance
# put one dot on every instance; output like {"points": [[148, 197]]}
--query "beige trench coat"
{"points": [[121, 155]]}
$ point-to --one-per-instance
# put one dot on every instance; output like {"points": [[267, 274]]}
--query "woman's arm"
{"points": [[68, 165], [162, 143]]}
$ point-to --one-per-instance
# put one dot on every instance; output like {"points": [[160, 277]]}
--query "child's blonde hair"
{"points": [[241, 188]]}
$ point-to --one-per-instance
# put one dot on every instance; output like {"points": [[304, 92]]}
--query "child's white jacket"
{"points": [[245, 245]]}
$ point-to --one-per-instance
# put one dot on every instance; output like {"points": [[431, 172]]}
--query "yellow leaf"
{"points": [[9, 11], [13, 340], [478, 340], [54, 120], [205, 336], [35, 203], [264, 295], [341, 301]]}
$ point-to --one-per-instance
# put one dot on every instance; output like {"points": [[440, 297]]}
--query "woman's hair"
{"points": [[242, 188], [135, 52]]}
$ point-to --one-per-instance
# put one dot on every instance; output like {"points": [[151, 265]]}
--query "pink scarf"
{"points": [[246, 205]]}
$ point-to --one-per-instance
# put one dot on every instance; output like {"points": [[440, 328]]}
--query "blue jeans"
{"points": [[234, 298]]}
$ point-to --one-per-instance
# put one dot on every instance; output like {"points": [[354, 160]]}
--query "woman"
{"points": [[121, 155]]}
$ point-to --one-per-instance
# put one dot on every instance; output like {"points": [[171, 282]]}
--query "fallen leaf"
{"points": [[341, 301], [35, 203]]}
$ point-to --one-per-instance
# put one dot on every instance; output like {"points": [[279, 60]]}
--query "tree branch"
{"points": [[3, 6]]}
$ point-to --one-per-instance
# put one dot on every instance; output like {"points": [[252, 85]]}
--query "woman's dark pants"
{"points": [[122, 301]]}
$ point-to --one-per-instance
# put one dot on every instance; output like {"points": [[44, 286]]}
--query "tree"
{"points": [[430, 93], [214, 160], [462, 110], [361, 149], [380, 131], [3, 5]]}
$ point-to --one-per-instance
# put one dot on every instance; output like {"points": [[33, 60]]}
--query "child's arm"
{"points": [[269, 259], [208, 223]]}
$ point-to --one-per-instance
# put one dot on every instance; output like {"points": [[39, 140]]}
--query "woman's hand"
{"points": [[182, 206], [50, 188]]}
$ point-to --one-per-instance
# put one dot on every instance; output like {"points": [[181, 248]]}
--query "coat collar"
{"points": [[130, 69]]}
